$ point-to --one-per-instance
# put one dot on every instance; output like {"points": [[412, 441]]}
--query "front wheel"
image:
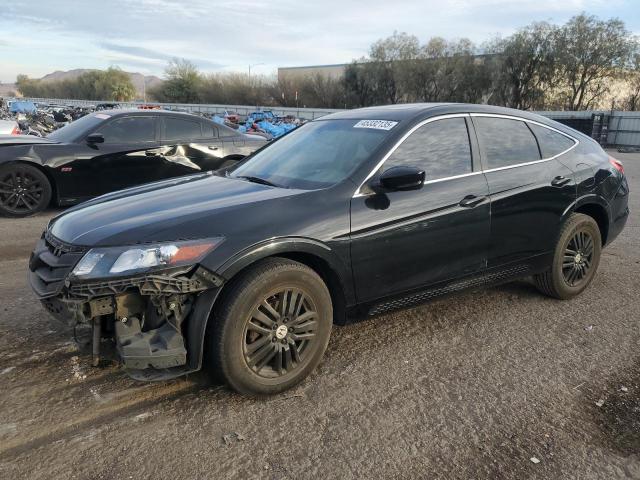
{"points": [[272, 327], [575, 261], [24, 190]]}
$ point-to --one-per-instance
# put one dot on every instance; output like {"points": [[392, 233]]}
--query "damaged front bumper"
{"points": [[157, 320]]}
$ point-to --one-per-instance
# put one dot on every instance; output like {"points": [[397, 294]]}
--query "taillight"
{"points": [[616, 164], [16, 130]]}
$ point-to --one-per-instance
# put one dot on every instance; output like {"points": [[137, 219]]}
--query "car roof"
{"points": [[412, 111], [396, 112], [145, 111]]}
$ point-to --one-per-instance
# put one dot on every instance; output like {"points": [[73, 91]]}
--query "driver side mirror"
{"points": [[402, 178], [95, 138]]}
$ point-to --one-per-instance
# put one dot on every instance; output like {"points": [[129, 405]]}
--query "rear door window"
{"points": [[181, 129], [505, 142], [551, 142], [440, 148], [129, 130]]}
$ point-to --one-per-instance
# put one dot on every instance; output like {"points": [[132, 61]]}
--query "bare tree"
{"points": [[632, 101], [183, 83], [526, 67], [387, 68], [589, 53], [357, 85]]}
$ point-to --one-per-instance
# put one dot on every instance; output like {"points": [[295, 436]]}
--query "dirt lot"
{"points": [[474, 386]]}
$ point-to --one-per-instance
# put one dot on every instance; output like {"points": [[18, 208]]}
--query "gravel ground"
{"points": [[494, 383]]}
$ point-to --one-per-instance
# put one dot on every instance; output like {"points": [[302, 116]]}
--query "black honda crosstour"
{"points": [[354, 214]]}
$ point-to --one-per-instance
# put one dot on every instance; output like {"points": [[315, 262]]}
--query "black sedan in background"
{"points": [[357, 213], [112, 150]]}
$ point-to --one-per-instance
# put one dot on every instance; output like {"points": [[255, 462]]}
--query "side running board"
{"points": [[422, 296]]}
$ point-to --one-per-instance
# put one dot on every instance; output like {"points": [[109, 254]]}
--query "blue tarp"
{"points": [[23, 107], [276, 129], [259, 116]]}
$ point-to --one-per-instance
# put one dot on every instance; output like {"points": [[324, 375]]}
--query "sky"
{"points": [[41, 36]]}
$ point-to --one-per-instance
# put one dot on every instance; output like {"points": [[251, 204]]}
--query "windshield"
{"points": [[77, 129], [316, 155]]}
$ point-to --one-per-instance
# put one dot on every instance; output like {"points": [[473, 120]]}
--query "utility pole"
{"points": [[254, 65]]}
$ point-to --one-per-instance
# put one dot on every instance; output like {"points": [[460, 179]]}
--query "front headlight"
{"points": [[118, 261]]}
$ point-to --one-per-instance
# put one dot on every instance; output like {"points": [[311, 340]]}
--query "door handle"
{"points": [[471, 201], [213, 147], [559, 181]]}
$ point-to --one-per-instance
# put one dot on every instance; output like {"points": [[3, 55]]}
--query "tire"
{"points": [[271, 329], [24, 190], [575, 260]]}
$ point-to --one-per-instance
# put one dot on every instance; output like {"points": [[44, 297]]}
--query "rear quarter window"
{"points": [[551, 142]]}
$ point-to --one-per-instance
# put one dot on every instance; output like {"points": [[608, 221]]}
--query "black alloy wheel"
{"points": [[271, 327], [280, 332], [575, 259], [578, 258], [24, 190]]}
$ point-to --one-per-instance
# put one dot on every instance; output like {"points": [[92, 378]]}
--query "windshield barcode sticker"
{"points": [[377, 124]]}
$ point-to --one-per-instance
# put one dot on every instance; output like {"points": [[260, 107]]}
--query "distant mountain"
{"points": [[7, 89], [139, 81]]}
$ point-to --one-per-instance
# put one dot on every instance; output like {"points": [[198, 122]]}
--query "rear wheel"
{"points": [[24, 190], [272, 327], [575, 261]]}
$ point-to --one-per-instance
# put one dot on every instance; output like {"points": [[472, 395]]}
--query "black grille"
{"points": [[50, 263]]}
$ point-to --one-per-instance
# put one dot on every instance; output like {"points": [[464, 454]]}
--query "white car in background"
{"points": [[9, 127]]}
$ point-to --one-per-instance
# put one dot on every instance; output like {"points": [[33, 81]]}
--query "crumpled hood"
{"points": [[200, 204]]}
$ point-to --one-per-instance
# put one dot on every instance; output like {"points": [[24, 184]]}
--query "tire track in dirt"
{"points": [[139, 400]]}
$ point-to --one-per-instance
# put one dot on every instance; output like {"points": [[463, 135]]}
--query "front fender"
{"points": [[279, 246], [289, 245], [197, 327]]}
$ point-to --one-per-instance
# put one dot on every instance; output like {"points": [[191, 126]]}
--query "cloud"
{"points": [[231, 34], [146, 56]]}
